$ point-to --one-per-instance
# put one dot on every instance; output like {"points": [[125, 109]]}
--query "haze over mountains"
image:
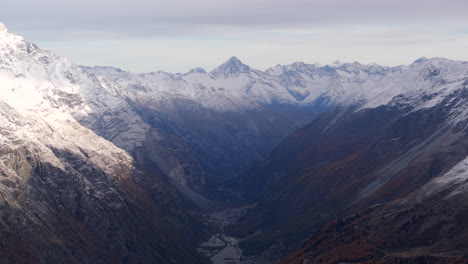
{"points": [[100, 165]]}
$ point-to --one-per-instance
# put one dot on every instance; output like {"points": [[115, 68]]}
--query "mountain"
{"points": [[384, 143], [232, 67], [425, 227], [68, 194], [234, 86]]}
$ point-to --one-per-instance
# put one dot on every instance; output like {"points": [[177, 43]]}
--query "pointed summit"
{"points": [[233, 66]]}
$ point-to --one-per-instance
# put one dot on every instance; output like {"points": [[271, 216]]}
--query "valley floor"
{"points": [[221, 248]]}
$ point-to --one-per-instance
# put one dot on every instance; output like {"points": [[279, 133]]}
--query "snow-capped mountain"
{"points": [[232, 67], [41, 83], [66, 191], [44, 97], [234, 86]]}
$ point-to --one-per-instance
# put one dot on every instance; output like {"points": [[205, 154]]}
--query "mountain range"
{"points": [[357, 163]]}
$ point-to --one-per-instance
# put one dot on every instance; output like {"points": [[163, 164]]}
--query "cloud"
{"points": [[143, 35], [141, 17]]}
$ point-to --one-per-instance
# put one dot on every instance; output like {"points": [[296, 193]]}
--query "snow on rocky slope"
{"points": [[41, 84], [44, 98], [67, 193], [234, 86]]}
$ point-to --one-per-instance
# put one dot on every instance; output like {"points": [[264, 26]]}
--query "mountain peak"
{"points": [[3, 28], [336, 64], [233, 66], [422, 59], [196, 70], [234, 59]]}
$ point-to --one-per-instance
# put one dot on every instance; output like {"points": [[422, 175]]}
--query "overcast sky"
{"points": [[177, 35]]}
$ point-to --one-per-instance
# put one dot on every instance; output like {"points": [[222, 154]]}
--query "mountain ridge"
{"points": [[296, 84]]}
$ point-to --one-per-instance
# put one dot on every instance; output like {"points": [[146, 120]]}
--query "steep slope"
{"points": [[67, 194], [65, 86], [383, 147], [428, 226], [28, 70]]}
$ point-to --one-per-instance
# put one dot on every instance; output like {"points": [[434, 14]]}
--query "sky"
{"points": [[177, 35]]}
